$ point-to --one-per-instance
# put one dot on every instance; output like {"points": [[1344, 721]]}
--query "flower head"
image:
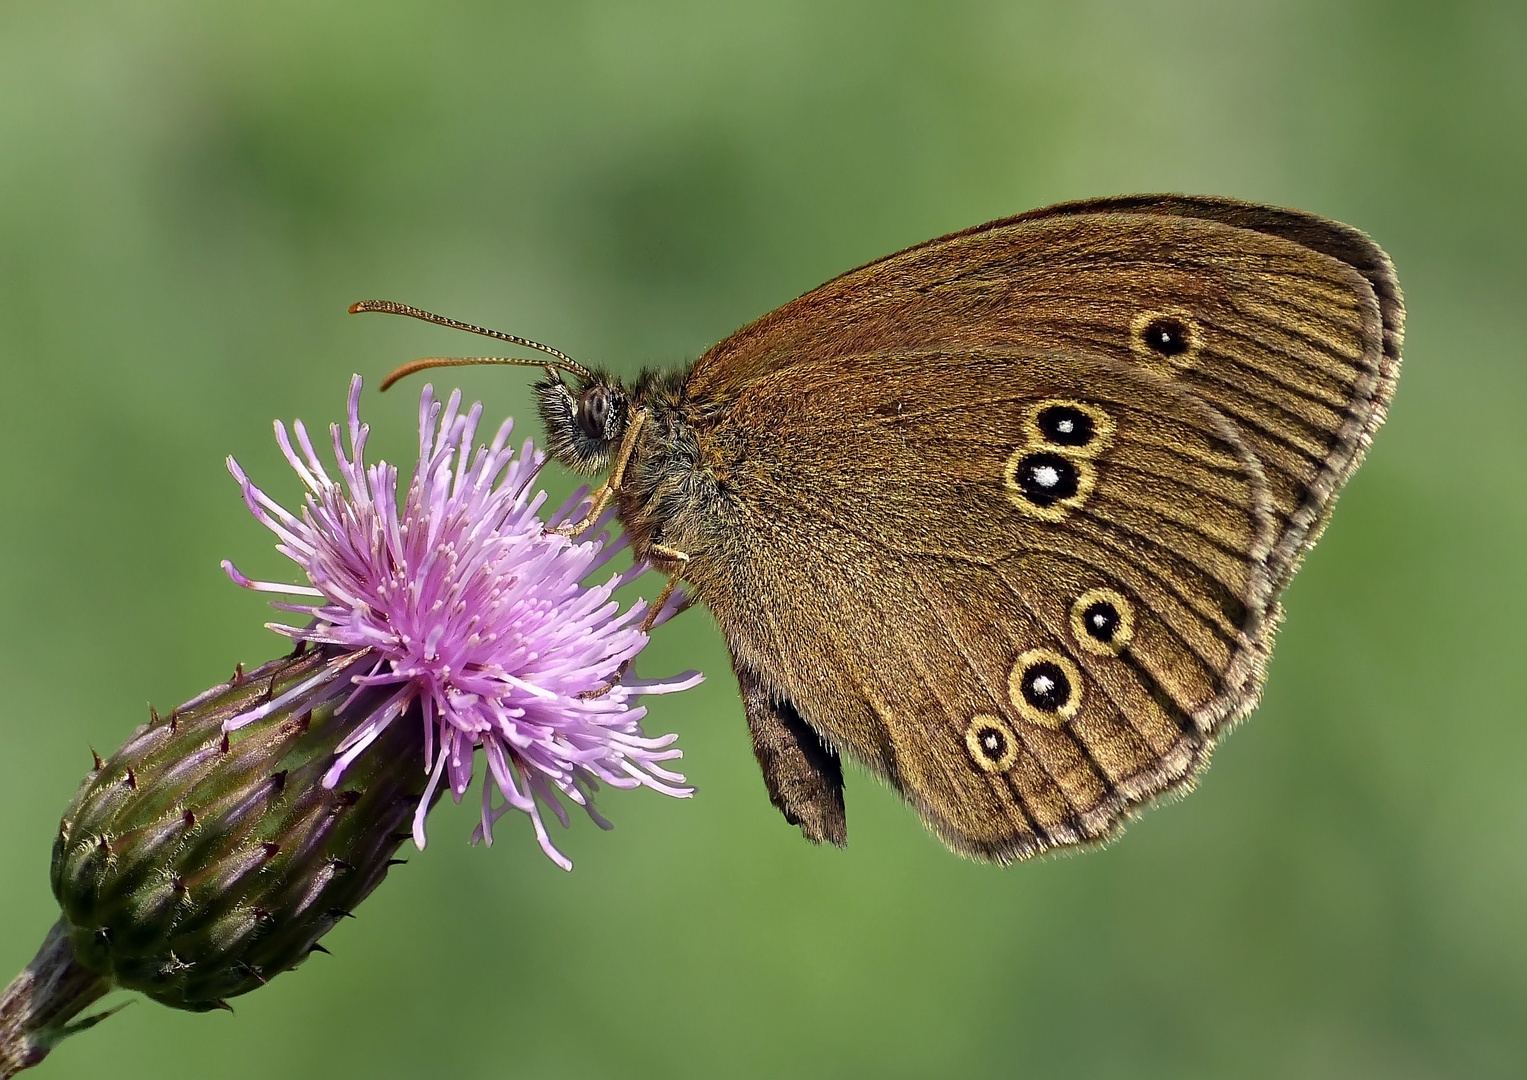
{"points": [[462, 602]]}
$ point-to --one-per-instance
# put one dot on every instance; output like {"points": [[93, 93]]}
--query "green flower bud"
{"points": [[194, 865]]}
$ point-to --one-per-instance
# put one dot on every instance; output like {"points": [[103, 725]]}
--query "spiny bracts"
{"points": [[196, 864]]}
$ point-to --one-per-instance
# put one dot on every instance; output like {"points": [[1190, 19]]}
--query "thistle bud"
{"points": [[196, 864]]}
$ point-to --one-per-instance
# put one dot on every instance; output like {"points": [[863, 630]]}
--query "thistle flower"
{"points": [[464, 602], [216, 847]]}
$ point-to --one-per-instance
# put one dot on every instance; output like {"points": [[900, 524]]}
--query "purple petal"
{"points": [[456, 596]]}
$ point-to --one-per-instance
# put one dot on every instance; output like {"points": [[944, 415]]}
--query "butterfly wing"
{"points": [[1005, 516], [1288, 324], [1029, 611]]}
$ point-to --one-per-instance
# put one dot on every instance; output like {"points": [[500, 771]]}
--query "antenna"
{"points": [[391, 307]]}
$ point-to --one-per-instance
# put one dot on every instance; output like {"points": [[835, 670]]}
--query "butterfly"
{"points": [[1004, 517]]}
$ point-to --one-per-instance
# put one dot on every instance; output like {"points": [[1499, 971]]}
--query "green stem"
{"points": [[36, 1009]]}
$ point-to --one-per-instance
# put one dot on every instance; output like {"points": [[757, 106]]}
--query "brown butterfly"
{"points": [[1005, 516]]}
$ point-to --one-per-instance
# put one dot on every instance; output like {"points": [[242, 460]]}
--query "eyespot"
{"points": [[1046, 479], [991, 743], [1063, 425], [594, 412], [1072, 428], [1047, 485], [1045, 687], [1165, 335], [1102, 621]]}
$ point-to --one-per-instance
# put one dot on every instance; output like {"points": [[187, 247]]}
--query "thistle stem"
{"points": [[36, 1009]]}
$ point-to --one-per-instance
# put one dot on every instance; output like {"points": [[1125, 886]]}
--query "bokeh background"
{"points": [[190, 195]]}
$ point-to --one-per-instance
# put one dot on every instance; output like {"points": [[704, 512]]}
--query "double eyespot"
{"points": [[1045, 688], [1103, 621], [1052, 473]]}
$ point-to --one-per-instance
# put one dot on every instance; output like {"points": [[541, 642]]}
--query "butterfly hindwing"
{"points": [[931, 616]]}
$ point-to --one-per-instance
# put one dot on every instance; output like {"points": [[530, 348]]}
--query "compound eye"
{"points": [[594, 412]]}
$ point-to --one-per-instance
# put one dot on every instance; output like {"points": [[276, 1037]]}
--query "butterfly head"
{"points": [[584, 423]]}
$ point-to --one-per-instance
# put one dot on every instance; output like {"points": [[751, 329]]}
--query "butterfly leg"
{"points": [[667, 554], [653, 612], [611, 487], [803, 774]]}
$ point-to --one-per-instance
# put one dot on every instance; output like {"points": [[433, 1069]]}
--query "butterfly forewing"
{"points": [[1286, 324]]}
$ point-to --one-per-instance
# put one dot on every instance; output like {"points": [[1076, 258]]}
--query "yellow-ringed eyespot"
{"points": [[1102, 621], [1045, 687], [991, 743]]}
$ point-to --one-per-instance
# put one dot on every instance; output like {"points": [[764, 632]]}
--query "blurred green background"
{"points": [[191, 193]]}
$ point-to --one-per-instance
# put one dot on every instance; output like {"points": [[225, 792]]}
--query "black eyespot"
{"points": [[1046, 687], [991, 743], [1062, 425], [1046, 479], [1167, 335], [594, 412], [1101, 621]]}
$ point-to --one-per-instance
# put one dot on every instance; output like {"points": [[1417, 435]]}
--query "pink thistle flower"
{"points": [[465, 603]]}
